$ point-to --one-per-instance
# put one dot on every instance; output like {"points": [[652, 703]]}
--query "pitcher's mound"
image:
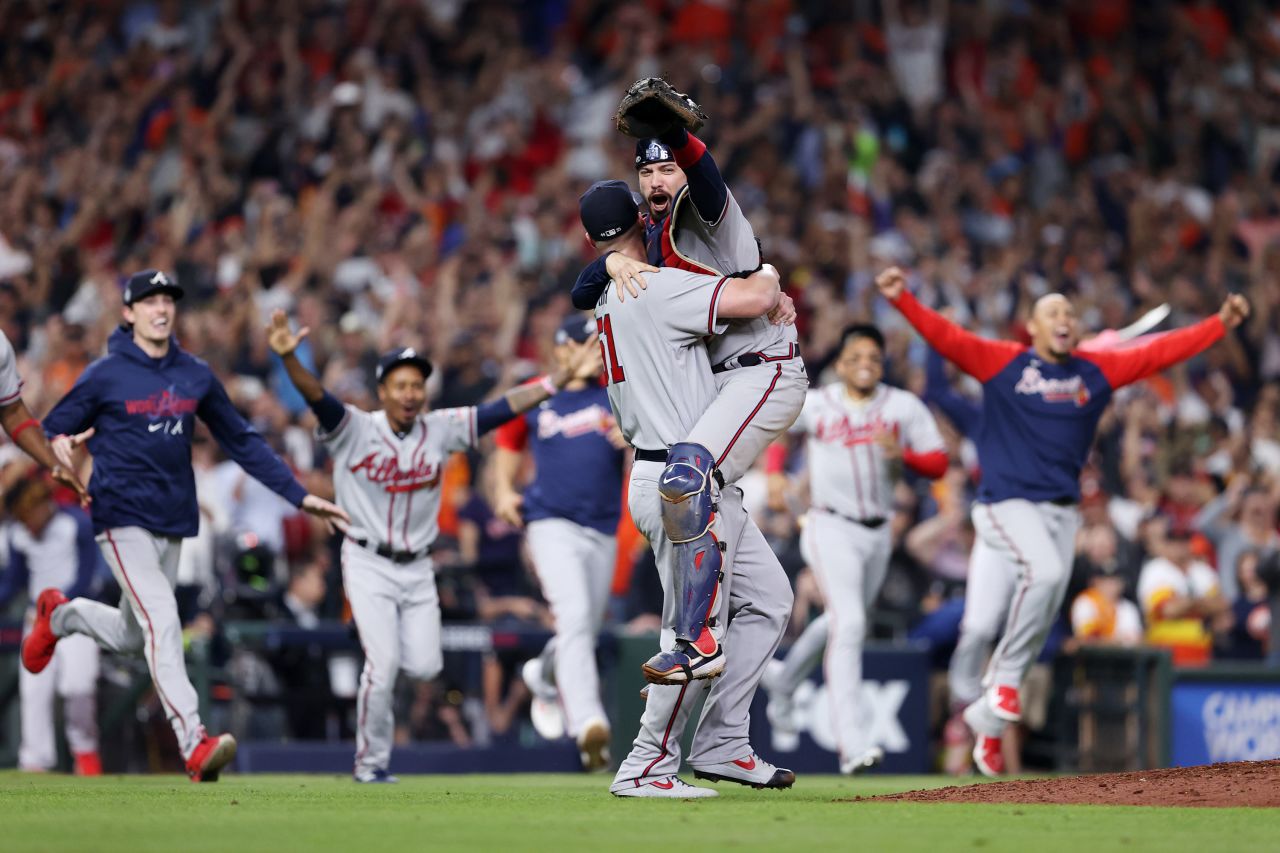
{"points": [[1241, 783]]}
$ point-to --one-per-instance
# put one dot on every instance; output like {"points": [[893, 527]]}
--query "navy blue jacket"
{"points": [[144, 410]]}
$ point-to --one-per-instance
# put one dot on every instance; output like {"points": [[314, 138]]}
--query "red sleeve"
{"points": [[689, 153], [932, 464], [1126, 366], [979, 357], [513, 435], [775, 458]]}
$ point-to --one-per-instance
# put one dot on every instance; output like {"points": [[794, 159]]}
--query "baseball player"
{"points": [[136, 409], [53, 546], [861, 433], [660, 384], [695, 224], [1041, 404], [387, 469], [570, 514]]}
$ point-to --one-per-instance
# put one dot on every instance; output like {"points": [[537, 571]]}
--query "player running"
{"points": [[695, 224], [136, 409], [387, 467], [861, 434], [570, 514], [660, 384], [1040, 411]]}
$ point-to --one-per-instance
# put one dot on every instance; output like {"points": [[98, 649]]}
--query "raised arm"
{"points": [[584, 362], [979, 357], [707, 189], [1134, 363], [284, 343]]}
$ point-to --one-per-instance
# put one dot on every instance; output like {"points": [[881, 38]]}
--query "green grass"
{"points": [[241, 814]]}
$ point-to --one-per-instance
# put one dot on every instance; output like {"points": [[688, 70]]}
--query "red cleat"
{"points": [[213, 754], [88, 764], [987, 756], [1005, 703], [38, 646]]}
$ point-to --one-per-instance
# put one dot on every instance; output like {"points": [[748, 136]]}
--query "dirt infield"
{"points": [[1243, 783]]}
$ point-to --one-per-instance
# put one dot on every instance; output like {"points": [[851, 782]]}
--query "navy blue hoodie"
{"points": [[144, 409]]}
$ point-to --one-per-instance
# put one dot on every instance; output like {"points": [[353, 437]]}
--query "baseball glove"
{"points": [[651, 107]]}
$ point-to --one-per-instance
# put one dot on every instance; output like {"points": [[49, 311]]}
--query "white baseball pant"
{"points": [[574, 565], [987, 592], [72, 675], [146, 567], [759, 599], [1039, 538], [805, 653], [850, 561], [397, 613]]}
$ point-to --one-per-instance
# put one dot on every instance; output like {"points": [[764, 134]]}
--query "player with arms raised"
{"points": [[1040, 411]]}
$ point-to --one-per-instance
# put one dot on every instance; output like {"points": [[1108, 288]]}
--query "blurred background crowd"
{"points": [[407, 172]]}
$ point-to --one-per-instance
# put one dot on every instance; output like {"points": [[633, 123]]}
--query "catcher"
{"points": [[695, 224]]}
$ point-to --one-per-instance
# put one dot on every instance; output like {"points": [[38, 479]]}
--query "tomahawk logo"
{"points": [[880, 706]]}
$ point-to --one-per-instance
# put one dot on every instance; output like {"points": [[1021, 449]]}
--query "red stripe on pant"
{"points": [[1022, 593], [776, 376], [667, 734], [364, 712], [151, 634]]}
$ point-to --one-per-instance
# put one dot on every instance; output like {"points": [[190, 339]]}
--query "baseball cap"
{"points": [[652, 151], [607, 209], [397, 357], [142, 284], [575, 328]]}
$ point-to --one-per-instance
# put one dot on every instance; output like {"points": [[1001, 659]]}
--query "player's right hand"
{"points": [[508, 505], [627, 272], [891, 282], [67, 477], [64, 447], [282, 339]]}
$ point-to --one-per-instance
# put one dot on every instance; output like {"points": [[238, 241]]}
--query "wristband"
{"points": [[17, 431], [548, 385]]}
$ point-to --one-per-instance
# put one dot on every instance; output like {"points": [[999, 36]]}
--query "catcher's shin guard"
{"points": [[689, 506]]}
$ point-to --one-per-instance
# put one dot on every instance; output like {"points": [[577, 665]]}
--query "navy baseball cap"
{"points": [[142, 284], [652, 151], [575, 328], [397, 357], [608, 209]]}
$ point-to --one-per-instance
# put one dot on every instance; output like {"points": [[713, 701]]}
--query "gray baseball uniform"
{"points": [[987, 592], [10, 382], [660, 383], [846, 539], [390, 486]]}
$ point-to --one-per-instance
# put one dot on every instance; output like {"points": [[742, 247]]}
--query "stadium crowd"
{"points": [[407, 173]]}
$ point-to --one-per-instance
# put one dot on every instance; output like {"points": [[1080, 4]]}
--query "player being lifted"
{"points": [[695, 224], [387, 467], [1040, 411], [569, 513], [660, 386], [861, 434], [136, 409]]}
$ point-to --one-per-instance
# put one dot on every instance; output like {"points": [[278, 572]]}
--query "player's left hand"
{"points": [[784, 313], [889, 445], [1234, 310], [334, 516], [628, 273], [282, 339]]}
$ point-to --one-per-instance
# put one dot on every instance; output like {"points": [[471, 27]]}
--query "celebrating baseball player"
{"points": [[387, 469], [570, 514], [861, 433], [135, 408], [51, 546], [695, 224], [660, 385], [1041, 405]]}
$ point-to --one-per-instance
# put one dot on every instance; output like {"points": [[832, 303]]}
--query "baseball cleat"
{"points": [[685, 663], [88, 764], [751, 770], [38, 646], [1004, 702], [988, 756], [666, 787], [212, 754], [377, 776], [868, 760], [593, 744]]}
